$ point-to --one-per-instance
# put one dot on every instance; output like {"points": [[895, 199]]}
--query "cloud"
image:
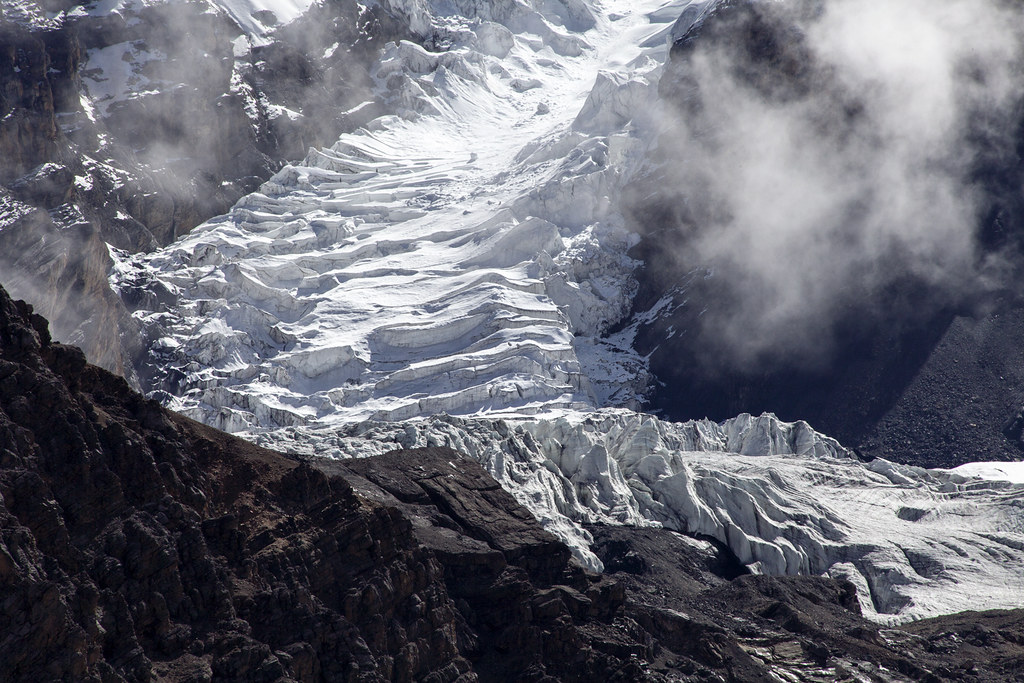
{"points": [[828, 156]]}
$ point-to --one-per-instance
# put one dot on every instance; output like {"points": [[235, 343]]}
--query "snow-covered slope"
{"points": [[461, 256], [447, 276], [259, 17]]}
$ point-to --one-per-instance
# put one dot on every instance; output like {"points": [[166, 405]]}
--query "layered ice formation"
{"points": [[449, 275], [461, 256]]}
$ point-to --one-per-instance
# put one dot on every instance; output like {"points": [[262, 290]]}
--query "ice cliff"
{"points": [[784, 498], [424, 264]]}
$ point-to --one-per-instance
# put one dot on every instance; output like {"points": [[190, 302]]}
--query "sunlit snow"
{"points": [[993, 471], [259, 17]]}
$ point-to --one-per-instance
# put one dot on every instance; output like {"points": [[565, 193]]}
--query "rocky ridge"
{"points": [[138, 545]]}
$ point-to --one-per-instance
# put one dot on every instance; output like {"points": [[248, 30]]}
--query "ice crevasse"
{"points": [[784, 498], [449, 274]]}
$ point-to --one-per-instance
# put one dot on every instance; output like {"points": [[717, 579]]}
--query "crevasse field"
{"points": [[447, 276]]}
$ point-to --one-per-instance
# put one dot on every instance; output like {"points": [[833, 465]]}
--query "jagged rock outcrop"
{"points": [[138, 545], [49, 251], [529, 612]]}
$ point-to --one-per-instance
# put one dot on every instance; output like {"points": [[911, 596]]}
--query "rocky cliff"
{"points": [[137, 545]]}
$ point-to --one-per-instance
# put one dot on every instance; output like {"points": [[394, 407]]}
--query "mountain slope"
{"points": [[129, 123], [136, 545], [410, 269], [423, 283]]}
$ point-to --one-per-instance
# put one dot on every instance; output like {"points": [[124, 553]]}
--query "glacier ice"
{"points": [[407, 269], [451, 274], [784, 498]]}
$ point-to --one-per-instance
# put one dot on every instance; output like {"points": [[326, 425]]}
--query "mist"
{"points": [[827, 156], [130, 124]]}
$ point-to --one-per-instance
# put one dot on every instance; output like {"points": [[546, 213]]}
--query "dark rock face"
{"points": [[202, 127], [64, 269], [28, 134], [528, 612], [905, 369], [136, 544], [49, 251], [712, 619], [963, 402]]}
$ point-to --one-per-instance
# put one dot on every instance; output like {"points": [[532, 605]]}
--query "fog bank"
{"points": [[828, 156]]}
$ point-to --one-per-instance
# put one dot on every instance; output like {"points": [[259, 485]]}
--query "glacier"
{"points": [[452, 274], [916, 543]]}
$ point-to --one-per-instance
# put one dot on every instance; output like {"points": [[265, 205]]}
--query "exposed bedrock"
{"points": [[779, 276], [138, 545], [49, 252]]}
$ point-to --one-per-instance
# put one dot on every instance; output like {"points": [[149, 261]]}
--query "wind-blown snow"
{"points": [[447, 276]]}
